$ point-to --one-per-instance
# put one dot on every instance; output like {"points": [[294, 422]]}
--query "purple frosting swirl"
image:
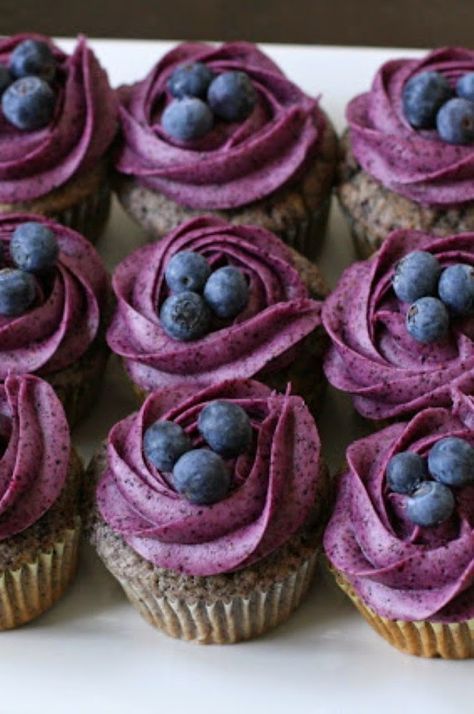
{"points": [[403, 571], [35, 447], [234, 164], [275, 485], [372, 355], [416, 164], [65, 318], [278, 316], [33, 163]]}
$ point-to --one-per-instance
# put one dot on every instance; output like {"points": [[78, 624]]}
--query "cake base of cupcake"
{"points": [[373, 211], [297, 213], [83, 203], [449, 640]]}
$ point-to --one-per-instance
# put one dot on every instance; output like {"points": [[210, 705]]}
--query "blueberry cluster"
{"points": [[28, 99], [450, 464], [198, 293], [430, 102], [33, 249], [201, 475], [436, 295], [200, 96]]}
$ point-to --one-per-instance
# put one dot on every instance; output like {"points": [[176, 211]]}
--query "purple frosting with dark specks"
{"points": [[400, 570], [65, 318], [372, 355], [33, 163], [35, 452], [275, 484], [235, 163], [415, 163], [278, 316]]}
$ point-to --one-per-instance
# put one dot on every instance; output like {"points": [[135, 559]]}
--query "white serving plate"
{"points": [[92, 653]]}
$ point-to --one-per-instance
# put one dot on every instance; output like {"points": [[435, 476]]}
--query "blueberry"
{"points": [[201, 476], [428, 320], [33, 57], [431, 504], [465, 86], [190, 80], [226, 428], [232, 96], [17, 291], [33, 247], [423, 95], [451, 461], [187, 119], [28, 103], [456, 288], [416, 275], [406, 471], [455, 121], [185, 316], [163, 444], [187, 271], [226, 292], [5, 78]]}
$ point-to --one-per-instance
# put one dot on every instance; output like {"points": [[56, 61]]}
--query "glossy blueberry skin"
{"points": [[423, 95], [5, 78], [28, 103], [456, 288], [432, 503], [190, 80], [226, 428], [406, 471], [33, 57], [185, 316], [451, 462], [465, 86], [33, 247], [416, 276], [164, 442], [455, 121], [201, 476], [428, 320], [17, 292], [187, 119], [226, 292], [232, 96], [187, 271]]}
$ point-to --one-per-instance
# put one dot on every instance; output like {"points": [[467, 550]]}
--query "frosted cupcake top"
{"points": [[235, 163], [401, 570], [33, 163], [415, 163], [278, 315], [35, 450], [372, 355], [274, 485], [64, 317]]}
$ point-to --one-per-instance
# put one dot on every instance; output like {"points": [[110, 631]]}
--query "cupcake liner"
{"points": [[307, 235], [31, 589], [449, 640], [226, 620], [89, 216]]}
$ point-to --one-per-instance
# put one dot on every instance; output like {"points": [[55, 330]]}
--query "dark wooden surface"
{"points": [[405, 23]]}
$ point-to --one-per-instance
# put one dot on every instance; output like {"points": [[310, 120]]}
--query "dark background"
{"points": [[402, 23]]}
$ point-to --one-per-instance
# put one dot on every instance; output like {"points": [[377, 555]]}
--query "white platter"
{"points": [[92, 653]]}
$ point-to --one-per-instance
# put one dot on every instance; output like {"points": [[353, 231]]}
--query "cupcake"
{"points": [[222, 130], [54, 295], [401, 538], [58, 120], [399, 331], [209, 507], [407, 159], [265, 324], [40, 524]]}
